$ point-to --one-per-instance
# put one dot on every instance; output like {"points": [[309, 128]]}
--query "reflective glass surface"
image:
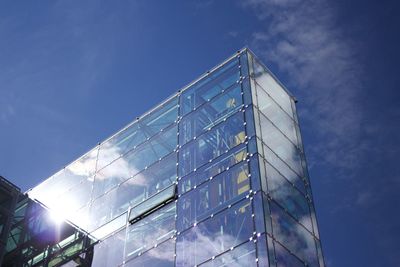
{"points": [[284, 258], [276, 115], [215, 176], [110, 252], [210, 86], [160, 256], [212, 169], [212, 144], [137, 133], [242, 255], [222, 190], [110, 227], [279, 144], [156, 177], [210, 114], [288, 196], [293, 236], [215, 235], [78, 172], [149, 231], [135, 161], [270, 85], [262, 251], [151, 203], [284, 169]]}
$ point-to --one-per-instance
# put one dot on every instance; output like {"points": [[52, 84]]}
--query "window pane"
{"points": [[75, 198], [49, 191], [212, 144], [213, 195], [215, 235], [250, 126], [135, 161], [104, 209], [161, 256], [150, 231], [209, 86], [141, 186], [281, 145], [277, 116], [210, 114], [152, 202], [153, 150], [284, 258], [284, 169], [137, 133], [243, 255], [110, 227], [293, 236], [110, 251], [217, 166], [262, 251], [288, 196], [272, 87]]}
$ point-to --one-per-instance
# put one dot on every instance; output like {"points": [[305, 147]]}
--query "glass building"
{"points": [[213, 176]]}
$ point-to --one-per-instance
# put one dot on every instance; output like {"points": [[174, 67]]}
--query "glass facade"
{"points": [[214, 176]]}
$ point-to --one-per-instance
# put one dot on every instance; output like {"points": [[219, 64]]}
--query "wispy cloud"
{"points": [[6, 112], [347, 137], [302, 40]]}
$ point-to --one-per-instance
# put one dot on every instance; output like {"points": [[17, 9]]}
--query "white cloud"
{"points": [[302, 39]]}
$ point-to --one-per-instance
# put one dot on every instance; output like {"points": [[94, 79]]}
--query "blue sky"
{"points": [[74, 72]]}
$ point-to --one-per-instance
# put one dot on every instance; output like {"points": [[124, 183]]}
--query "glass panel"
{"points": [[247, 96], [272, 87], [151, 181], [259, 218], [250, 126], [49, 191], [262, 251], [214, 195], [104, 209], [215, 235], [118, 200], [293, 236], [161, 256], [281, 145], [243, 255], [137, 133], [210, 86], [288, 196], [217, 166], [154, 150], [110, 251], [135, 161], [320, 256], [210, 114], [284, 169], [110, 227], [75, 198], [276, 115], [257, 124], [244, 70], [81, 217], [212, 144], [252, 145], [314, 220], [150, 231], [255, 173], [144, 184], [284, 258], [152, 202]]}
